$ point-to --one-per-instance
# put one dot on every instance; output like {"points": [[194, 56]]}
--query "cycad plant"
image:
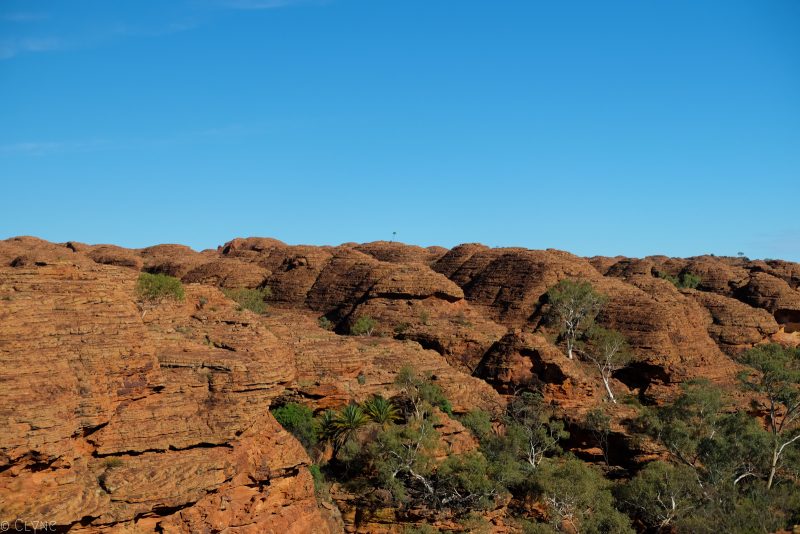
{"points": [[340, 427], [381, 411]]}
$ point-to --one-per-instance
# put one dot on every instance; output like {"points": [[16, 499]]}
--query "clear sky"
{"points": [[615, 127]]}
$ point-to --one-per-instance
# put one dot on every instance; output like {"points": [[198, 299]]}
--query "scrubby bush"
{"points": [[158, 287], [112, 463], [421, 392], [299, 420], [250, 299], [363, 326], [682, 281], [578, 498], [325, 323], [478, 422], [465, 482]]}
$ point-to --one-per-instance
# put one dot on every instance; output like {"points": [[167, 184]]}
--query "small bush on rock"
{"points": [[683, 281], [250, 299], [364, 326], [158, 287], [299, 420]]}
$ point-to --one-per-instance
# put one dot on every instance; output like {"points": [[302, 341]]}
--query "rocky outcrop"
{"points": [[121, 416], [154, 424], [735, 326]]}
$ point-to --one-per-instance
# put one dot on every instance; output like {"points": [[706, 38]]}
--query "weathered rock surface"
{"points": [[735, 326], [161, 423], [126, 417]]}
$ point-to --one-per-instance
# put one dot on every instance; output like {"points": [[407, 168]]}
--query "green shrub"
{"points": [[690, 280], [683, 281], [111, 463], [158, 287], [401, 328], [577, 494], [363, 326], [422, 390], [250, 299], [465, 482], [321, 485], [299, 420], [425, 317], [478, 422], [325, 323]]}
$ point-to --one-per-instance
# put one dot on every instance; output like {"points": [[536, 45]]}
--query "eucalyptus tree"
{"points": [[574, 305]]}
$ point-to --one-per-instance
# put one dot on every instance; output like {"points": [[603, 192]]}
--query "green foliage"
{"points": [[402, 460], [661, 495], [250, 299], [342, 427], [425, 317], [779, 372], [479, 423], [158, 287], [609, 347], [578, 498], [363, 326], [598, 422], [729, 473], [321, 485], [735, 510], [421, 392], [690, 281], [529, 433], [573, 306], [401, 328], [474, 523], [682, 281], [111, 463], [325, 323], [381, 411], [684, 425], [529, 527], [532, 431], [299, 421], [464, 482], [776, 380], [608, 351], [460, 319]]}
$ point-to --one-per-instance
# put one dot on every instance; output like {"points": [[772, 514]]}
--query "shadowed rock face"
{"points": [[119, 417]]}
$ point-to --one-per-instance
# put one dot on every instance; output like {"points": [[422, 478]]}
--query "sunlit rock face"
{"points": [[129, 418]]}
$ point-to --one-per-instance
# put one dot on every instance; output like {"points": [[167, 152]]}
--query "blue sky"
{"points": [[621, 127]]}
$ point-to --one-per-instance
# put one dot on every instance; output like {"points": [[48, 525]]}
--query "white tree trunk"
{"points": [[608, 390]]}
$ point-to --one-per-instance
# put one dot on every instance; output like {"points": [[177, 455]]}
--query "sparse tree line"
{"points": [[719, 470], [574, 306]]}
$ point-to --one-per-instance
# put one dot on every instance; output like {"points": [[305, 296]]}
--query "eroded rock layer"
{"points": [[126, 417]]}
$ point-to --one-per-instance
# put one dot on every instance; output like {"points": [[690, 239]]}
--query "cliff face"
{"points": [[123, 417]]}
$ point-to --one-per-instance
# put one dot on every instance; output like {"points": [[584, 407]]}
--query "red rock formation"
{"points": [[128, 417], [116, 421]]}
